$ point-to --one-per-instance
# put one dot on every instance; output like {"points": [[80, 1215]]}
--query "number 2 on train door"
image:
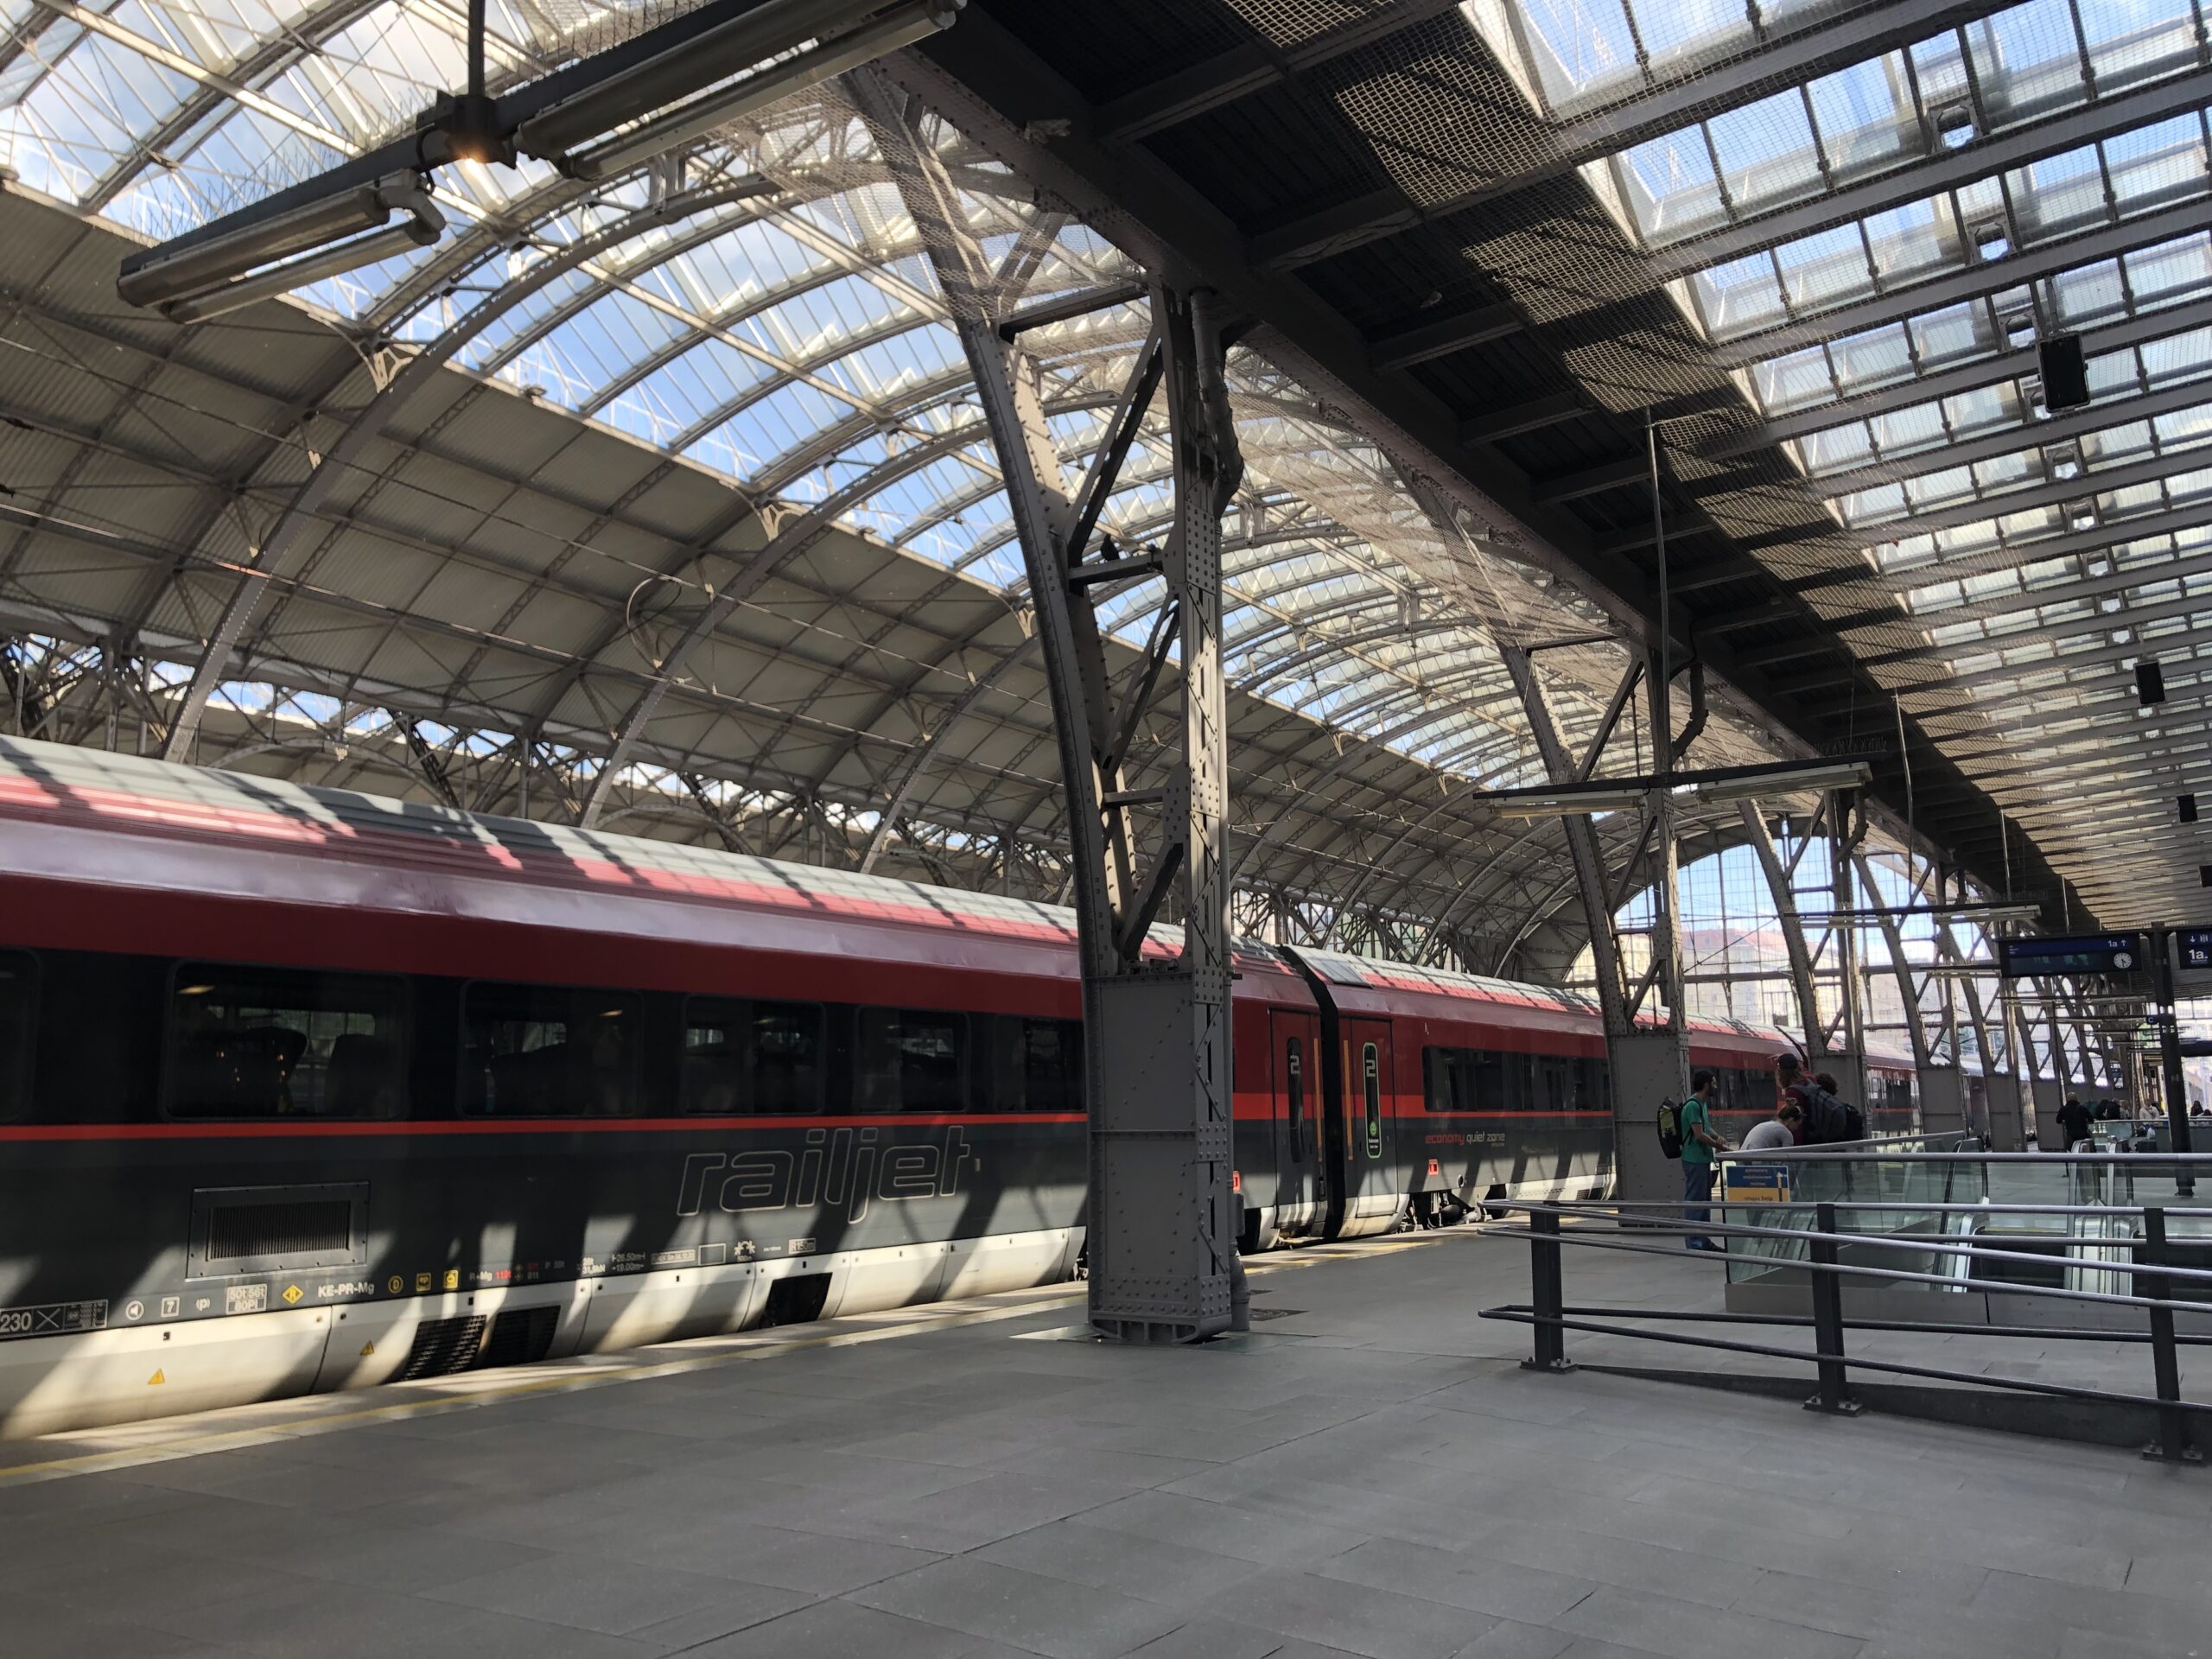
{"points": [[1370, 1074]]}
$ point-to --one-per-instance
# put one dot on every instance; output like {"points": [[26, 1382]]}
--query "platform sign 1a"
{"points": [[2060, 956], [2195, 944], [1755, 1183]]}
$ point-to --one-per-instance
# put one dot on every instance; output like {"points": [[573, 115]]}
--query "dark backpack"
{"points": [[1827, 1119], [1670, 1128]]}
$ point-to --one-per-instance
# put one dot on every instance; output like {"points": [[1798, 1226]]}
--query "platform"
{"points": [[1370, 1472]]}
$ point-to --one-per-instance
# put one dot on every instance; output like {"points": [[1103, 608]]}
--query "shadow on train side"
{"points": [[402, 1172]]}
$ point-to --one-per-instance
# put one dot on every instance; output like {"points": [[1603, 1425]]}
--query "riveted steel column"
{"points": [[1848, 1055], [1162, 1220]]}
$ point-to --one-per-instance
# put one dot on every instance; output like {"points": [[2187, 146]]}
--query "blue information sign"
{"points": [[2196, 947], [2092, 953]]}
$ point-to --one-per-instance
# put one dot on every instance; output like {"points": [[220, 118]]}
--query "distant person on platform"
{"points": [[1785, 1128], [2108, 1111], [1700, 1142], [2073, 1123]]}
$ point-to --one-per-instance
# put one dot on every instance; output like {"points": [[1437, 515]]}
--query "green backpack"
{"points": [[1670, 1128]]}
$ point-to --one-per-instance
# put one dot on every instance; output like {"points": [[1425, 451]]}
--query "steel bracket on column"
{"points": [[1162, 1220]]}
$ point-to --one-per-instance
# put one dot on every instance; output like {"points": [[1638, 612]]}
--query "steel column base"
{"points": [[1840, 1408], [2156, 1453]]}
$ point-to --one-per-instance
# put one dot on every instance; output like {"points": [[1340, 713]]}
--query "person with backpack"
{"points": [[1828, 1120], [1700, 1142]]}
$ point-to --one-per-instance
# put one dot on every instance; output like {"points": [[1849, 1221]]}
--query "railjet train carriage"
{"points": [[302, 1089]]}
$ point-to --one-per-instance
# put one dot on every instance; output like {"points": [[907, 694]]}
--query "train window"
{"points": [[1439, 1073], [752, 1057], [280, 1042], [1590, 1078], [1487, 1068], [1370, 1077], [1294, 1066], [911, 1060], [1552, 1074], [548, 1051], [18, 1024], [1049, 1053]]}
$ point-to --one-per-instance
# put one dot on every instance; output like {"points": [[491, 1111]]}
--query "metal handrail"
{"points": [[1552, 1318], [2131, 1160], [1891, 1241], [1931, 1206]]}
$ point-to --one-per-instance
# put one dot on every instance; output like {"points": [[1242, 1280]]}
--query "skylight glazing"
{"points": [[793, 339]]}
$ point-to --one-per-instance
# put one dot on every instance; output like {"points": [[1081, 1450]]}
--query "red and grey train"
{"points": [[304, 1089]]}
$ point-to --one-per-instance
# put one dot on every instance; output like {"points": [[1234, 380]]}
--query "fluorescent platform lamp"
{"points": [[1574, 803], [260, 261], [1786, 780], [1621, 795], [900, 27], [656, 91]]}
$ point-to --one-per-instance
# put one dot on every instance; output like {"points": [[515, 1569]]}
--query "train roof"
{"points": [[66, 787]]}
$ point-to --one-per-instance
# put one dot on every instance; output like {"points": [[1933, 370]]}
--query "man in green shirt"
{"points": [[1699, 1144]]}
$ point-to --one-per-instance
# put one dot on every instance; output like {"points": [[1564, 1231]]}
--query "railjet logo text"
{"points": [[838, 1168]]}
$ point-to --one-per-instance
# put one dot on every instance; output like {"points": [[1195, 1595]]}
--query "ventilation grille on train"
{"points": [[522, 1336], [306, 1227], [797, 1300], [444, 1346]]}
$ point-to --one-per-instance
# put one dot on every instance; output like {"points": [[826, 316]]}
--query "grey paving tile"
{"points": [[1102, 1465], [1508, 1639], [755, 1554], [1626, 1563], [1272, 1541], [2129, 1614], [1002, 1603], [1683, 1630], [1173, 1574], [1355, 1618], [617, 1598], [964, 1518], [340, 1620], [55, 1631], [1210, 1638], [830, 1628], [1480, 1583], [376, 1555], [2093, 1644], [1912, 1599], [833, 1470], [744, 1607]]}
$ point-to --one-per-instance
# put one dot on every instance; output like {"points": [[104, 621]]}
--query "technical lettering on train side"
{"points": [[52, 1319], [838, 1168]]}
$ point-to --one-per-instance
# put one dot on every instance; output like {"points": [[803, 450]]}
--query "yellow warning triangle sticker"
{"points": [[367, 1347], [156, 1378]]}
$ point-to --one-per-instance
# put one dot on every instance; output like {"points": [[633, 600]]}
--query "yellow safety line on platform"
{"points": [[618, 1370]]}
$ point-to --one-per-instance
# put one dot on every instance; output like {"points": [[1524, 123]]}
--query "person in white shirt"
{"points": [[1780, 1130]]}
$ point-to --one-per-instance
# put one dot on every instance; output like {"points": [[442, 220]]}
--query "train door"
{"points": [[1301, 1181], [1374, 1193]]}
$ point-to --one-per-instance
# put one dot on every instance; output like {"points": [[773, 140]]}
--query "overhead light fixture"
{"points": [[1995, 910], [1814, 777], [662, 93], [1575, 803], [259, 261], [1621, 795]]}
